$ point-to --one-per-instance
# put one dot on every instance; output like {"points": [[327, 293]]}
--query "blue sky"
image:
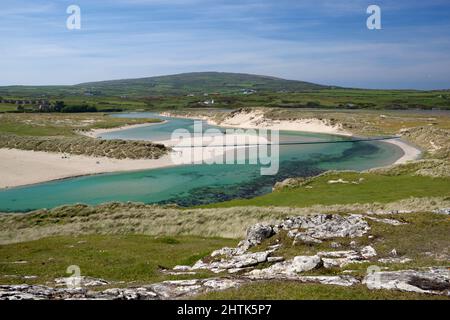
{"points": [[322, 41]]}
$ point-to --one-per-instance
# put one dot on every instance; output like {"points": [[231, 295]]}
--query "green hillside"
{"points": [[179, 84], [199, 82]]}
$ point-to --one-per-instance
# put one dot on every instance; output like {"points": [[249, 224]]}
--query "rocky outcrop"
{"points": [[430, 280], [158, 291], [81, 281], [442, 211], [233, 263], [316, 228], [243, 264], [259, 232], [292, 267]]}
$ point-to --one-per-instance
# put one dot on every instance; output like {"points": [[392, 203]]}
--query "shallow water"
{"points": [[200, 184]]}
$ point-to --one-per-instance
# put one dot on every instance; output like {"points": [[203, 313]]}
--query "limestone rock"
{"points": [[234, 262], [259, 232], [394, 260], [429, 280], [290, 267], [368, 252], [81, 281], [387, 221]]}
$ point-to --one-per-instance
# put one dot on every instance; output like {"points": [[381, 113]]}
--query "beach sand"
{"points": [[21, 167], [410, 152], [256, 120]]}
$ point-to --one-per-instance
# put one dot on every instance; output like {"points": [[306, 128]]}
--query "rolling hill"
{"points": [[179, 84]]}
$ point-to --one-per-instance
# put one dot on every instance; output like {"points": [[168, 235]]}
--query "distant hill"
{"points": [[199, 82], [178, 84]]}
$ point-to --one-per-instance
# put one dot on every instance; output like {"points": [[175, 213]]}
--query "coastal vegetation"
{"points": [[421, 237], [348, 187], [60, 133], [138, 218], [104, 256], [56, 124], [116, 149]]}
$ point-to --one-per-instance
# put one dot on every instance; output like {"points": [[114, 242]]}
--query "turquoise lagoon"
{"points": [[198, 184]]}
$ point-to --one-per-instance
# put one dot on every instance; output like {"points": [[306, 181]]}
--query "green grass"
{"points": [[168, 92], [283, 290], [57, 124], [374, 188], [129, 258]]}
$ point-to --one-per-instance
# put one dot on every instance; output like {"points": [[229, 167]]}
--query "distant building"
{"points": [[248, 91], [208, 102]]}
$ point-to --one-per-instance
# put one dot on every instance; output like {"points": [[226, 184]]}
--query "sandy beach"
{"points": [[23, 167], [410, 153], [256, 120], [20, 167], [96, 133]]}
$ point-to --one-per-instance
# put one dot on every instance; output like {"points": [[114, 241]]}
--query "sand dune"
{"points": [[20, 167]]}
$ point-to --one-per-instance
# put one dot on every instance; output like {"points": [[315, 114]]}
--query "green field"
{"points": [[133, 260], [373, 188], [59, 124], [129, 258], [227, 90], [285, 290]]}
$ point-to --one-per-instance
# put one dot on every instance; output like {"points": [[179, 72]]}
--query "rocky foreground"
{"points": [[258, 258]]}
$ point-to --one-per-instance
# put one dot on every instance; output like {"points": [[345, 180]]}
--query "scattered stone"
{"points": [[338, 254], [181, 268], [81, 281], [335, 245], [338, 181], [233, 262], [430, 280], [368, 252], [322, 227], [291, 267], [394, 260], [393, 253], [343, 280], [387, 221], [304, 238], [259, 232], [275, 259], [274, 247], [164, 290], [442, 211]]}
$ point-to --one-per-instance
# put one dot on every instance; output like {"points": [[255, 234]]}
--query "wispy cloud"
{"points": [[322, 41]]}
